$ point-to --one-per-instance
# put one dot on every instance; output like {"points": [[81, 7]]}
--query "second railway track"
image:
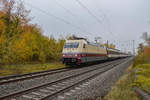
{"points": [[21, 77], [52, 89], [15, 78]]}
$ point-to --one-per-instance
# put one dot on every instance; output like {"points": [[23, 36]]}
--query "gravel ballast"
{"points": [[21, 85], [98, 87]]}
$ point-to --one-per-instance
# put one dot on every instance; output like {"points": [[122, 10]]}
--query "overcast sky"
{"points": [[119, 21]]}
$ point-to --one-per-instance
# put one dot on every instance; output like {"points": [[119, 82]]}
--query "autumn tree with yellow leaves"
{"points": [[112, 46], [21, 42], [143, 56]]}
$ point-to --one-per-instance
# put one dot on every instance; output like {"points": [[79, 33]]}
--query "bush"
{"points": [[141, 59], [143, 77]]}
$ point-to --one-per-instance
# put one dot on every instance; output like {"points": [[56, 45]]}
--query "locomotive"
{"points": [[80, 51]]}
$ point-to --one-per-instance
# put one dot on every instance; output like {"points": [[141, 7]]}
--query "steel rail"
{"points": [[21, 77], [54, 82], [49, 97], [76, 84], [14, 78]]}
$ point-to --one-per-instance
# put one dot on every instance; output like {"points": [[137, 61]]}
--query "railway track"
{"points": [[21, 77], [50, 90]]}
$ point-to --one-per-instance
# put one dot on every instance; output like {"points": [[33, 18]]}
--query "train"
{"points": [[79, 51]]}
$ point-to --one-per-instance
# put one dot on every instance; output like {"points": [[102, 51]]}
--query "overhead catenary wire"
{"points": [[93, 15], [72, 14], [83, 6], [108, 23], [64, 21], [69, 12], [104, 15], [58, 18], [89, 12]]}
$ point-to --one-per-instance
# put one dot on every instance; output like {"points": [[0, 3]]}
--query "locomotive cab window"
{"points": [[72, 45]]}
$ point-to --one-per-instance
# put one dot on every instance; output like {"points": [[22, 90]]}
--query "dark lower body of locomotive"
{"points": [[70, 61], [82, 59]]}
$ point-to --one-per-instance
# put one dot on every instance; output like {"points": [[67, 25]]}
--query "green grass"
{"points": [[143, 77], [28, 68], [123, 88]]}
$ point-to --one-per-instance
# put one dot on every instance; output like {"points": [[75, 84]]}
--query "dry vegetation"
{"points": [[28, 68]]}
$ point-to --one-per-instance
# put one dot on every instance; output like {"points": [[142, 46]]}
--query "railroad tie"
{"points": [[67, 93], [60, 97], [44, 90], [26, 96], [77, 88], [35, 93], [72, 90]]}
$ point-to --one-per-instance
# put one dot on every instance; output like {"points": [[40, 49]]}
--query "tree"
{"points": [[22, 42], [112, 46], [8, 7], [147, 51], [15, 16], [2, 24], [141, 48]]}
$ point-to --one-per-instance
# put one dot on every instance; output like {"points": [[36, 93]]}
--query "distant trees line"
{"points": [[22, 42]]}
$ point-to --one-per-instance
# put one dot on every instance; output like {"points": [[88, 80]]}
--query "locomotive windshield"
{"points": [[72, 45]]}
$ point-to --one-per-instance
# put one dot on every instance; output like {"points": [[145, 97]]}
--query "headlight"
{"points": [[64, 55], [76, 55]]}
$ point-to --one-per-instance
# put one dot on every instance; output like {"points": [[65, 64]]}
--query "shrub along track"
{"points": [[52, 89]]}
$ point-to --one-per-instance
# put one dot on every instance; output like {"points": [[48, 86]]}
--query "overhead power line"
{"points": [[70, 12], [67, 10], [108, 23], [94, 16], [58, 18], [99, 21]]}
